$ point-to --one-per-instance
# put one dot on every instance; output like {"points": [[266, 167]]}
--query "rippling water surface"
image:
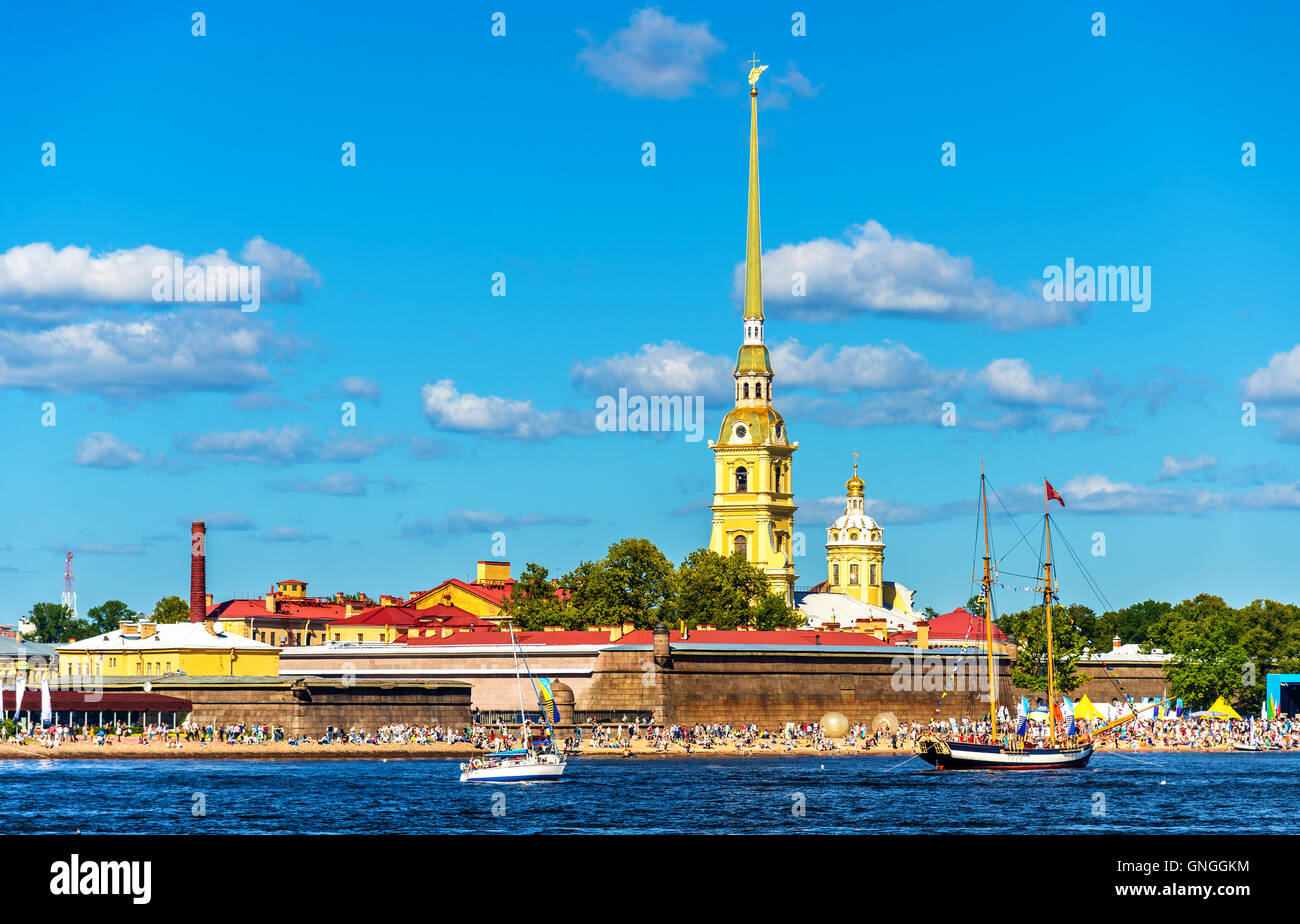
{"points": [[1164, 793]]}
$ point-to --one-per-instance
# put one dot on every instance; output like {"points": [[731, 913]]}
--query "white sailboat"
{"points": [[539, 760]]}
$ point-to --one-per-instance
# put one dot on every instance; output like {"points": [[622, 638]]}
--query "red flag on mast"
{"points": [[1053, 494]]}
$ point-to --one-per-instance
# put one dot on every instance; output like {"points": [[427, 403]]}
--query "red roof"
{"points": [[409, 616], [957, 626], [285, 609], [494, 593], [63, 700], [646, 637]]}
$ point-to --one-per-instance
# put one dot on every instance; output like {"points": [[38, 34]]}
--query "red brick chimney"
{"points": [[198, 572]]}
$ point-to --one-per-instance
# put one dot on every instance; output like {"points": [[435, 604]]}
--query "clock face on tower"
{"points": [[740, 431]]}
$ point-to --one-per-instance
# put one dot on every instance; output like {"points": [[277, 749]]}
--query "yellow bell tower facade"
{"points": [[753, 496], [855, 549]]}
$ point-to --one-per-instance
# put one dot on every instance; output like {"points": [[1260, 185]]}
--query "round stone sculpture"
{"points": [[834, 725]]}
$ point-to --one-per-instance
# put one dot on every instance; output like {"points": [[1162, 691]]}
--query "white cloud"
{"points": [[104, 450], [37, 273], [1278, 381], [283, 271], [790, 83], [657, 369], [1175, 466], [870, 270], [652, 56], [358, 386], [339, 484], [222, 520], [352, 447], [1012, 381], [449, 409], [272, 446], [187, 350], [461, 522], [885, 367]]}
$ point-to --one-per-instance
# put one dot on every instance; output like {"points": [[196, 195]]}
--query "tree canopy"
{"points": [[171, 609], [636, 584]]}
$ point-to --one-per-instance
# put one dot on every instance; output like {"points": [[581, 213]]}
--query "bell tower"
{"points": [[753, 496]]}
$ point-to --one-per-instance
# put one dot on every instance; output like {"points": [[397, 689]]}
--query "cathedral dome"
{"points": [[854, 528], [747, 426]]}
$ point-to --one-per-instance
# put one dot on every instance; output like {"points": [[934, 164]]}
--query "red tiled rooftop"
{"points": [[646, 637]]}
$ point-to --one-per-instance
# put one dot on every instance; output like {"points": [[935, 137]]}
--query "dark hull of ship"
{"points": [[959, 756]]}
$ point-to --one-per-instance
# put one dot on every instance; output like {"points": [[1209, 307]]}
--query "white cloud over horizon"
{"points": [[868, 269], [653, 56]]}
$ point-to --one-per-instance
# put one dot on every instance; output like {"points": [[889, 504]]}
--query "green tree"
{"points": [[634, 583], [171, 609], [726, 592], [108, 615], [532, 603], [1029, 629], [53, 622], [1132, 624]]}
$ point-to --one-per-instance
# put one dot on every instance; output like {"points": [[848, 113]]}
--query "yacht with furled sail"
{"points": [[1012, 751], [539, 759]]}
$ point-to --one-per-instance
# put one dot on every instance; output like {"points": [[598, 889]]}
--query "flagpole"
{"points": [[1047, 611], [988, 615]]}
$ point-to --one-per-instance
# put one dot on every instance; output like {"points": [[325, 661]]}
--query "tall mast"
{"points": [[518, 682], [988, 614], [1047, 613]]}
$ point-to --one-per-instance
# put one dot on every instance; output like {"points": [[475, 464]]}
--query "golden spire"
{"points": [[753, 239], [855, 485]]}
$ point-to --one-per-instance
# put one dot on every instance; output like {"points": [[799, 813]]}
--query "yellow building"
{"points": [[150, 649], [484, 597], [753, 497], [855, 549], [855, 592]]}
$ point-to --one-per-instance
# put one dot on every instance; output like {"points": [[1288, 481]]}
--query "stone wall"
{"points": [[307, 706], [771, 688]]}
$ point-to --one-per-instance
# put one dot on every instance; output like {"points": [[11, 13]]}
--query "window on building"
{"points": [[742, 479], [338, 637], [741, 547], [758, 389], [835, 574], [776, 477], [873, 574], [297, 638], [744, 389], [853, 574], [853, 536]]}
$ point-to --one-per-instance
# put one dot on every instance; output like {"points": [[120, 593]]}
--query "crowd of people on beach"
{"points": [[640, 733]]}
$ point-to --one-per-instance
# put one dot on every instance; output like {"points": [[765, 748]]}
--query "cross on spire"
{"points": [[753, 60], [855, 463]]}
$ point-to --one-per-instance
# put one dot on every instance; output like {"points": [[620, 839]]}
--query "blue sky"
{"points": [[522, 154]]}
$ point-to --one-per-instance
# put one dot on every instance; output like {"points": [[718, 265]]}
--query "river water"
{"points": [[1162, 793]]}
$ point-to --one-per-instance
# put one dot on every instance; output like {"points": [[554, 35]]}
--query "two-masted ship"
{"points": [[1012, 749]]}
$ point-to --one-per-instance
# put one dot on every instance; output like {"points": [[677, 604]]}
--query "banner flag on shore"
{"points": [[20, 688], [47, 714], [546, 701]]}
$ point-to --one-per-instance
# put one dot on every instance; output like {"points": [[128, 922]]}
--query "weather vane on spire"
{"points": [[755, 70]]}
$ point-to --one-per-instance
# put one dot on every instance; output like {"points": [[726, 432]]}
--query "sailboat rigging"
{"points": [[1010, 751], [536, 760]]}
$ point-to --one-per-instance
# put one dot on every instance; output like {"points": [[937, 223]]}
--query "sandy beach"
{"points": [[133, 750]]}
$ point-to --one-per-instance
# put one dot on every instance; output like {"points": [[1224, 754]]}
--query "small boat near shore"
{"points": [[540, 760], [520, 765]]}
